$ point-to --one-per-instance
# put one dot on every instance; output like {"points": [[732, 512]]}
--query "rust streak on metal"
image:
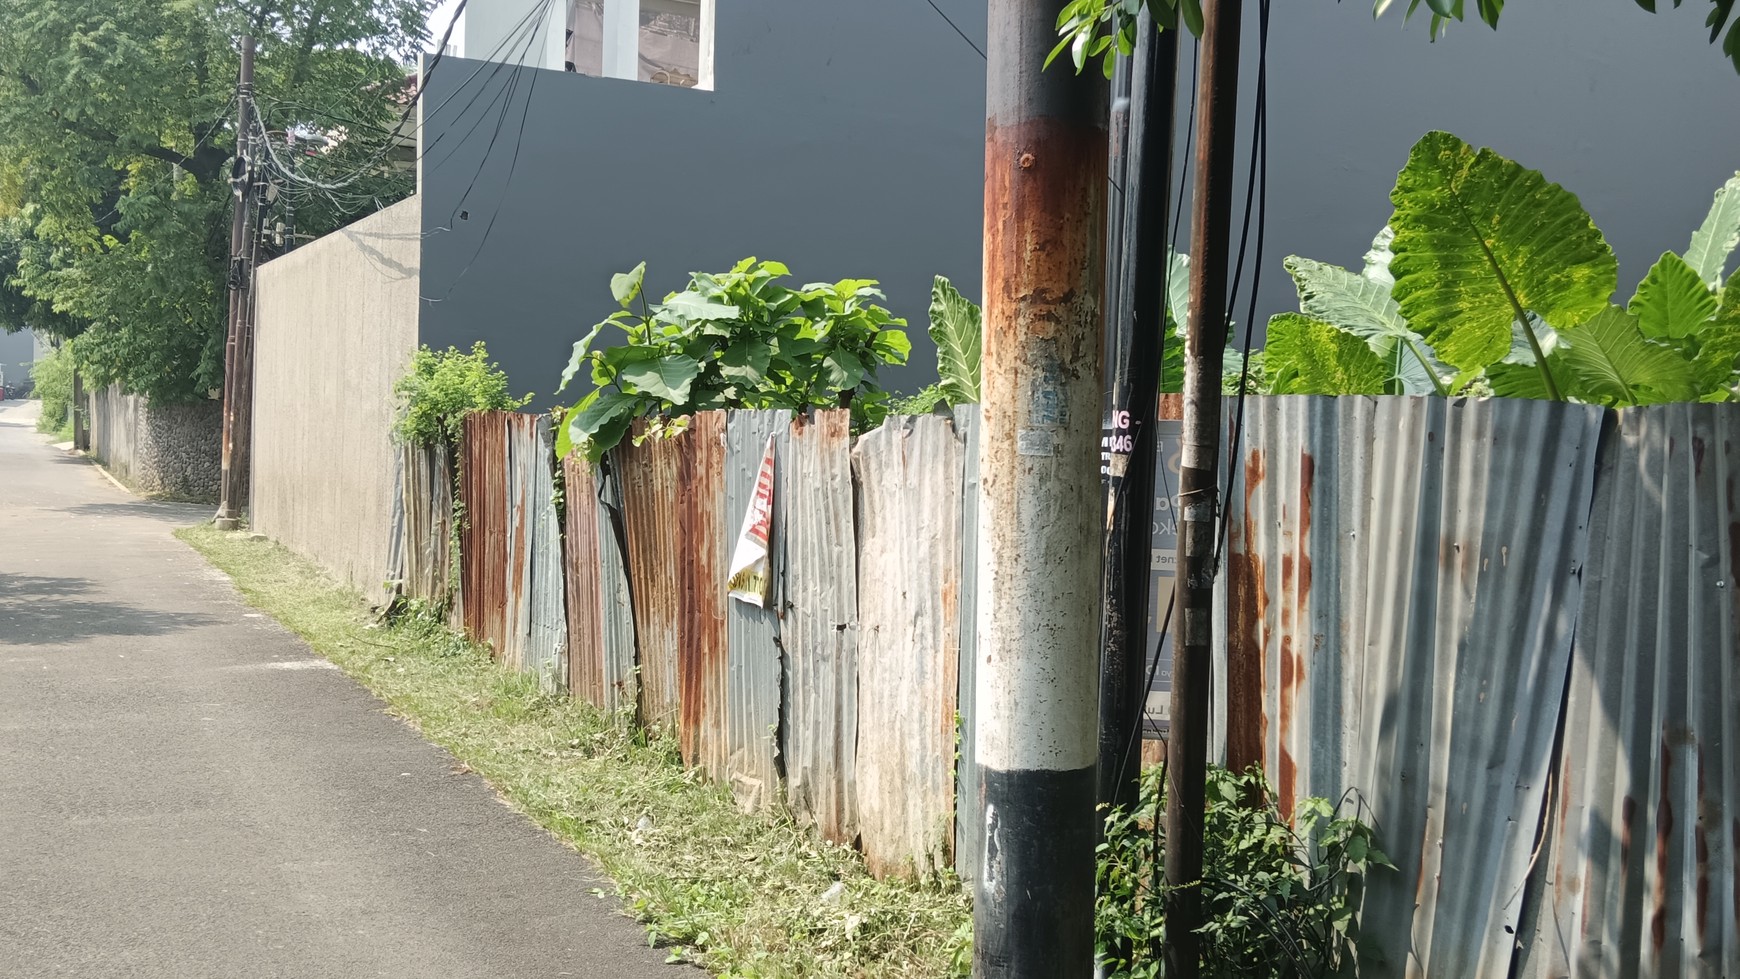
{"points": [[1247, 615], [585, 598], [701, 657], [655, 556], [1664, 826]]}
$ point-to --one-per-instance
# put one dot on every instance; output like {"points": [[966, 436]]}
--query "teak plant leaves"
{"points": [[737, 339]]}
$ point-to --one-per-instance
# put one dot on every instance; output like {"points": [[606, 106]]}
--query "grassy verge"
{"points": [[747, 896], [64, 433]]}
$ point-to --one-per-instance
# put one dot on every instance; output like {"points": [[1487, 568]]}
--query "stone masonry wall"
{"points": [[168, 450]]}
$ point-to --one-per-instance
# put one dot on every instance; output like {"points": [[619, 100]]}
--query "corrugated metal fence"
{"points": [[1510, 626]]}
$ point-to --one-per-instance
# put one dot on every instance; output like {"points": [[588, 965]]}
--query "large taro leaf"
{"points": [[1609, 361], [1718, 236], [956, 326], [1672, 301], [1480, 241], [1308, 356], [1363, 306]]}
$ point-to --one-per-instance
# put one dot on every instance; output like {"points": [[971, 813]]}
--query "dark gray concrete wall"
{"points": [[846, 139], [843, 139]]}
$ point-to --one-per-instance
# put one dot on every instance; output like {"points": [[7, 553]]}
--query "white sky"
{"points": [[439, 18]]}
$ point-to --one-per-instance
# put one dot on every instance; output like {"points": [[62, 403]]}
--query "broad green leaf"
{"points": [[1728, 311], [746, 361], [1521, 351], [1365, 308], [1178, 289], [1510, 380], [608, 436], [1190, 11], [625, 286], [564, 438], [599, 409], [1609, 361], [1476, 237], [958, 330], [1718, 356], [1672, 301], [892, 346], [1716, 239], [668, 377], [842, 371], [694, 307], [1308, 356], [582, 354], [1377, 258]]}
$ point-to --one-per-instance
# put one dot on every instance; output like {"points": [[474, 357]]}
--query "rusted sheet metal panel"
{"points": [[483, 545], [1639, 877], [753, 684], [616, 620], [547, 642], [909, 585], [651, 488], [426, 487], [701, 659], [968, 825], [820, 631], [515, 628], [1403, 576], [586, 670]]}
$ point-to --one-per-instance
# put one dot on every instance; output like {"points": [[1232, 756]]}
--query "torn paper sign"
{"points": [[750, 577]]}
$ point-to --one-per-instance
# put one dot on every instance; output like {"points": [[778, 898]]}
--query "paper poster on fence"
{"points": [[750, 578]]}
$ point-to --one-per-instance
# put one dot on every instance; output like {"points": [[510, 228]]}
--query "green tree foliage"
{"points": [[1279, 900], [1491, 278], [1104, 28], [116, 139], [737, 339], [53, 379], [441, 388]]}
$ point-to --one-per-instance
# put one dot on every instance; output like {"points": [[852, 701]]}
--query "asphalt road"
{"points": [[187, 792]]}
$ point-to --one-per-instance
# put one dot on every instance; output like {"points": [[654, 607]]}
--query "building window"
{"points": [[666, 42]]}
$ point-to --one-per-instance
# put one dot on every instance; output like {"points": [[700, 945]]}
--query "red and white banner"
{"points": [[750, 581]]}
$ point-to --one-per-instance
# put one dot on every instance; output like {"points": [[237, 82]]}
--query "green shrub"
{"points": [[441, 388], [1278, 900], [53, 377]]}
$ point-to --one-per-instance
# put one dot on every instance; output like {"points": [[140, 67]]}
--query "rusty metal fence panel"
{"points": [[1404, 578], [546, 650], [651, 488], [701, 654], [516, 623], [968, 845], [909, 584], [753, 657], [586, 661], [426, 488], [820, 632], [616, 616], [483, 546], [1639, 877]]}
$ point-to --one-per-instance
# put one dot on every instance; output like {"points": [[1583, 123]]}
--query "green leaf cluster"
{"points": [[441, 387], [1105, 29], [1490, 278], [1279, 899], [736, 339], [52, 376]]}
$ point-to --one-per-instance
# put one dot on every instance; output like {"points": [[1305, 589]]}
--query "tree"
{"points": [[1101, 28], [116, 144]]}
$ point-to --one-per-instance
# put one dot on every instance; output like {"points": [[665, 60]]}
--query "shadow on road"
{"points": [[42, 611], [179, 513]]}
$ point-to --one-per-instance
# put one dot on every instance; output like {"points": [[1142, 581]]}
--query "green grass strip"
{"points": [[744, 895]]}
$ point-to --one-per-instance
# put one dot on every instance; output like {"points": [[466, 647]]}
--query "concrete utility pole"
{"points": [[1140, 315], [1199, 483], [238, 377], [1040, 500]]}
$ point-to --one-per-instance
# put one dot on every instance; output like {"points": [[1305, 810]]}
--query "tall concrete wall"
{"points": [[161, 450], [337, 325]]}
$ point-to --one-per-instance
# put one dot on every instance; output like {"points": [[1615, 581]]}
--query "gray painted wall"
{"points": [[323, 478], [846, 139]]}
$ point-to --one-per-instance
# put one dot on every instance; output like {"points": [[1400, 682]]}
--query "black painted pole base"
{"points": [[1033, 907]]}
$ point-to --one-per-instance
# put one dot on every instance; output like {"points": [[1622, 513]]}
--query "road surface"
{"points": [[186, 793]]}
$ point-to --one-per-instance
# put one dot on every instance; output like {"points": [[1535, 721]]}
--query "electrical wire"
{"points": [[951, 22]]}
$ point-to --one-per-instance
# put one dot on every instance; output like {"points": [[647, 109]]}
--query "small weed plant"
{"points": [[442, 387], [53, 377], [1280, 900]]}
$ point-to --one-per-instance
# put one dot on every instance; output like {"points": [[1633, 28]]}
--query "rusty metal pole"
{"points": [[1141, 317], [1040, 501], [233, 478], [1199, 488]]}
